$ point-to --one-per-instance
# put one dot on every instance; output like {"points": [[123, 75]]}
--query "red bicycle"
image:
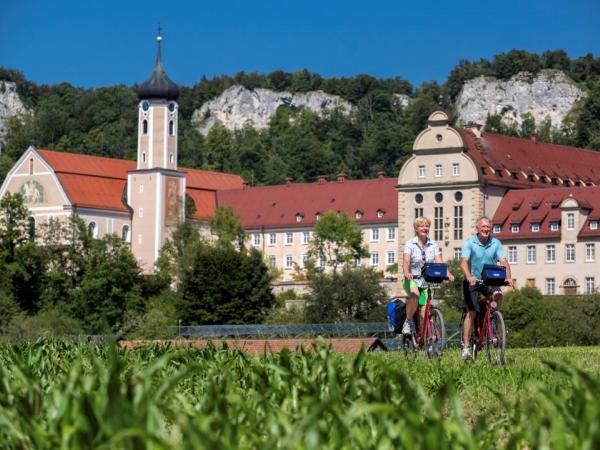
{"points": [[431, 335], [489, 330]]}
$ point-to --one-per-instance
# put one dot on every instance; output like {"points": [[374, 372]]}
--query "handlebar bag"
{"points": [[493, 275], [435, 272]]}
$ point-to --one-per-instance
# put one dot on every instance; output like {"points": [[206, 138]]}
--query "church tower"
{"points": [[156, 189]]}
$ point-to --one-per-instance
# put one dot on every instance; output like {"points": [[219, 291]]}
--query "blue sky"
{"points": [[101, 43]]}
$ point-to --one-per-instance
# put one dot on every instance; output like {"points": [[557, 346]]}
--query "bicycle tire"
{"points": [[409, 347], [436, 341], [495, 339]]}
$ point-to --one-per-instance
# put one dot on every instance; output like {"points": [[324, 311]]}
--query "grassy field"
{"points": [[57, 395]]}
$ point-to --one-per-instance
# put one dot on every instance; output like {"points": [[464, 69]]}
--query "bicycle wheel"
{"points": [[409, 347], [435, 336], [495, 339]]}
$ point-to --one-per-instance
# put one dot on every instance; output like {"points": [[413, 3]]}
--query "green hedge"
{"points": [[534, 320]]}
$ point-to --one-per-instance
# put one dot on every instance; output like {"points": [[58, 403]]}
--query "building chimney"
{"points": [[322, 179], [341, 177], [244, 184], [534, 138], [474, 128], [381, 175], [288, 180]]}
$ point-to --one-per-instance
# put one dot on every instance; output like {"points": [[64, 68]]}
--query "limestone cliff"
{"points": [[10, 105], [238, 106], [549, 94]]}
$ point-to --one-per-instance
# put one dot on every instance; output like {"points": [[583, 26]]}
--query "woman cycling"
{"points": [[417, 252]]}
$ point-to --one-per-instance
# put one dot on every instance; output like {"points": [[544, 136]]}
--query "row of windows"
{"points": [[438, 222], [569, 286], [554, 226], [306, 235], [550, 253], [92, 230], [439, 197], [438, 170], [288, 260], [171, 127]]}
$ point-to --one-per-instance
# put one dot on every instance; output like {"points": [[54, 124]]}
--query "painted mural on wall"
{"points": [[172, 203], [33, 192]]}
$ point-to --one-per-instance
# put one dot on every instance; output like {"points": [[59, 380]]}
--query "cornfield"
{"points": [[69, 395]]}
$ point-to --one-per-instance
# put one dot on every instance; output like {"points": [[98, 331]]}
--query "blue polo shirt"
{"points": [[479, 254]]}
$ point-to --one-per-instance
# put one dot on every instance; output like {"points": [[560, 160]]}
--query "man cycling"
{"points": [[479, 249]]}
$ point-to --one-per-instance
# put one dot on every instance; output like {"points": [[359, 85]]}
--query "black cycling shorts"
{"points": [[471, 294]]}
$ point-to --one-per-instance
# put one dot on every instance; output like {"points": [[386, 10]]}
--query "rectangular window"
{"points": [[391, 258], [304, 260], [590, 287], [374, 259], [535, 227], [458, 223], [255, 239], [570, 221], [497, 228], [289, 262], [531, 254], [438, 223], [289, 238], [514, 228], [305, 237], [141, 212], [594, 225], [554, 226], [273, 260], [418, 212], [455, 170], [512, 254], [550, 253], [272, 239], [141, 188], [421, 171], [590, 252], [438, 170], [457, 253], [570, 252], [374, 234], [391, 234], [550, 286]]}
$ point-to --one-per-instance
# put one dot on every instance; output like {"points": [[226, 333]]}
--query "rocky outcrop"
{"points": [[550, 94], [10, 105], [238, 106]]}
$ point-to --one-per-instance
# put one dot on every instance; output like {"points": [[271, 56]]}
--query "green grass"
{"points": [[57, 395]]}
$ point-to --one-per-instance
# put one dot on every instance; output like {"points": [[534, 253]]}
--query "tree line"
{"points": [[376, 137]]}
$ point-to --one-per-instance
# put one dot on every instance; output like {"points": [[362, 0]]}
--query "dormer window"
{"points": [[496, 228], [380, 213], [535, 227], [593, 225], [144, 126], [554, 226], [358, 215], [299, 217], [514, 228]]}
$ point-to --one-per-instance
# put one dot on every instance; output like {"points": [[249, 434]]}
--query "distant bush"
{"points": [[534, 320]]}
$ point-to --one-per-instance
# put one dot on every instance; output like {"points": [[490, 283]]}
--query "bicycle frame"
{"points": [[484, 327]]}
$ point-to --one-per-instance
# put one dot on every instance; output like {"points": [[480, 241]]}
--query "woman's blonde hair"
{"points": [[421, 221]]}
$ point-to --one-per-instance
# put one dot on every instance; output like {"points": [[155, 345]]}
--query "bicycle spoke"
{"points": [[495, 339]]}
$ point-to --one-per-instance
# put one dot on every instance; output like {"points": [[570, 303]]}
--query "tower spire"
{"points": [[158, 85]]}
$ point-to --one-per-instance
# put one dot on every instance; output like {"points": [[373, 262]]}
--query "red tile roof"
{"points": [[547, 203], [97, 182], [278, 206], [507, 161]]}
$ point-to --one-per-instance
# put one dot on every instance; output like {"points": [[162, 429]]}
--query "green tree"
{"points": [[352, 295], [337, 239], [226, 225], [224, 285]]}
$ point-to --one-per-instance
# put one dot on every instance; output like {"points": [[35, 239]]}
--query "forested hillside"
{"points": [[378, 136]]}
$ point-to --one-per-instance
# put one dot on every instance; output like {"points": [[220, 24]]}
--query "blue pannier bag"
{"points": [[435, 272], [493, 275], [396, 315]]}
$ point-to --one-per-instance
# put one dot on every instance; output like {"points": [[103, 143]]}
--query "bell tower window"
{"points": [[171, 128], [143, 157], [144, 126]]}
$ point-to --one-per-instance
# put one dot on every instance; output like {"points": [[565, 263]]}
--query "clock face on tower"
{"points": [[171, 107], [145, 106]]}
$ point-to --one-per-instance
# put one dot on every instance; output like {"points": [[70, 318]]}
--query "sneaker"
{"points": [[406, 328], [466, 353]]}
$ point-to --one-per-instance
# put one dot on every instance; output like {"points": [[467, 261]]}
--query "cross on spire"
{"points": [[159, 37]]}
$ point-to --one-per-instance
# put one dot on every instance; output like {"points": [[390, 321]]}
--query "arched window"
{"points": [[171, 128], [93, 230], [125, 235], [570, 286], [143, 157], [144, 126], [31, 229], [171, 158]]}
